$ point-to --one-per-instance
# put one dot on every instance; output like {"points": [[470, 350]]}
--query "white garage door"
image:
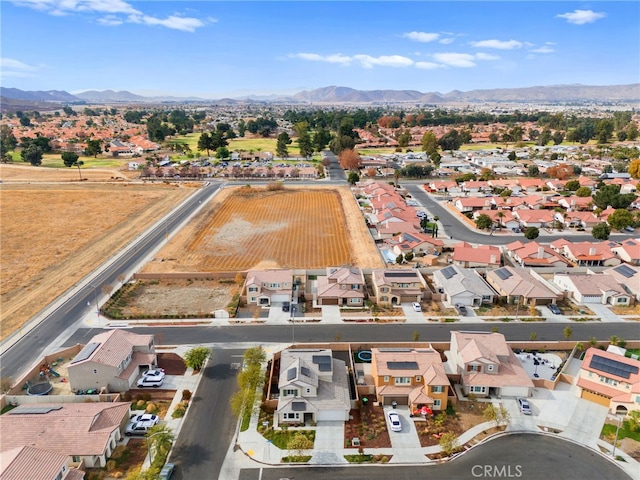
{"points": [[279, 298], [331, 415]]}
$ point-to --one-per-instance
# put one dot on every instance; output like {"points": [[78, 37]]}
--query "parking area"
{"points": [[411, 314]]}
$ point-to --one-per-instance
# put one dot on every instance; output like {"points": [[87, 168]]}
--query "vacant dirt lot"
{"points": [[54, 234], [27, 173], [252, 228]]}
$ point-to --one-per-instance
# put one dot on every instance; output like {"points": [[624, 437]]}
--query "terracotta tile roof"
{"points": [[31, 463], [115, 346], [464, 252], [423, 359]]}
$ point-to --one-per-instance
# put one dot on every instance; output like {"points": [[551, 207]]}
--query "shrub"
{"points": [[186, 394]]}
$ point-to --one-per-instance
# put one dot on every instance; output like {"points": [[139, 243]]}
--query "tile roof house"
{"points": [[462, 286], [501, 218], [416, 243], [628, 276], [471, 204], [521, 284], [577, 219], [410, 376], [470, 256], [628, 250], [87, 432], [533, 254], [610, 379], [344, 286], [36, 464], [266, 287], [487, 366], [112, 360], [593, 288], [395, 286], [535, 218], [313, 386], [574, 203], [587, 254]]}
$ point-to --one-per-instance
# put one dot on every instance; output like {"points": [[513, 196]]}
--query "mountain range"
{"points": [[335, 94]]}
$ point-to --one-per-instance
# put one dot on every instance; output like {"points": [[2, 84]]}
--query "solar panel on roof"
{"points": [[291, 374], [33, 410], [614, 367], [86, 352], [448, 272], [503, 273], [298, 406], [305, 371], [625, 271], [402, 365], [318, 359], [399, 274]]}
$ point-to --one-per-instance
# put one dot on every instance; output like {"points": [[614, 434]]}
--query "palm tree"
{"points": [[159, 438], [500, 216]]}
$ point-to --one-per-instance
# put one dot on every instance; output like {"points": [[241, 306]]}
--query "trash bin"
{"points": [[394, 404]]}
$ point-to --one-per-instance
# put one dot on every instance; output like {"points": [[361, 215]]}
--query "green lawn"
{"points": [[280, 438], [54, 160], [625, 432]]}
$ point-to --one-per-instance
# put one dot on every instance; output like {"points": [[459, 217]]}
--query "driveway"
{"points": [[405, 443], [331, 314], [411, 315], [604, 312], [328, 435]]}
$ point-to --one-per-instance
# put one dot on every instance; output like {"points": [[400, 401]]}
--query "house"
{"points": [[610, 379], [470, 256], [396, 286], [487, 366], [594, 288], [521, 284], [533, 254], [445, 186], [535, 218], [268, 287], [86, 432], [628, 276], [628, 250], [36, 464], [574, 203], [577, 219], [342, 286], [471, 204], [112, 361], [500, 218], [416, 243], [410, 376], [587, 254], [133, 166], [462, 286], [313, 386]]}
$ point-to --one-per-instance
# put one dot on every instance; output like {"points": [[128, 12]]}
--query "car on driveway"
{"points": [[524, 406], [554, 308], [394, 421], [286, 306], [145, 417], [462, 310], [154, 373], [138, 428], [416, 307], [150, 382]]}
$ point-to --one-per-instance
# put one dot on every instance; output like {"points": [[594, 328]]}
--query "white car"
{"points": [[150, 382], [137, 428], [154, 373], [524, 406], [394, 421], [416, 307], [145, 417]]}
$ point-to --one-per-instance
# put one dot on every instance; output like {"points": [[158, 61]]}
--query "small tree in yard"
{"points": [[601, 231], [449, 443], [500, 414], [531, 233], [399, 259], [196, 357], [408, 256], [298, 443]]}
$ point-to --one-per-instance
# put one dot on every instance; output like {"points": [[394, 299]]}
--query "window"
{"points": [[418, 378], [274, 286], [308, 390], [386, 379], [437, 389], [76, 459], [403, 380], [384, 299], [289, 392], [474, 368], [354, 300], [355, 286], [384, 290], [621, 300], [291, 416], [478, 389], [490, 368], [403, 285], [253, 289], [253, 299], [436, 403]]}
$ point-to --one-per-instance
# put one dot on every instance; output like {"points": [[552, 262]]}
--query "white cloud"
{"points": [[463, 60], [543, 50], [486, 56], [423, 37], [498, 44], [427, 65], [367, 61], [10, 67], [112, 8], [580, 17], [446, 41], [314, 57]]}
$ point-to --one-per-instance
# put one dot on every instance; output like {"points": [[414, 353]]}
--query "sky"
{"points": [[215, 49]]}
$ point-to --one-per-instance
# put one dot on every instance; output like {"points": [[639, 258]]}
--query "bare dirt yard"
{"points": [[248, 228], [53, 234]]}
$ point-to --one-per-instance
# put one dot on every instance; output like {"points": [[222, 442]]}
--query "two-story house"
{"points": [[313, 386], [487, 366], [112, 360], [395, 286], [342, 286], [266, 287], [410, 376]]}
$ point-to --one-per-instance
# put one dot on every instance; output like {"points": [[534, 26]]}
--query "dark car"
{"points": [[554, 308], [462, 310], [286, 306]]}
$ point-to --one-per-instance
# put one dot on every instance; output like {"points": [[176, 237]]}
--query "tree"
{"points": [[531, 233], [450, 140], [321, 139], [70, 159], [533, 170], [196, 357], [610, 195], [572, 185], [620, 219], [222, 152], [254, 356], [400, 259], [94, 147], [353, 178], [8, 142], [632, 131], [557, 137], [604, 130], [349, 159], [435, 157], [493, 137], [634, 168], [408, 256], [205, 143], [601, 231], [32, 154], [500, 216], [449, 443], [429, 142], [483, 222], [512, 156], [567, 332], [583, 192], [284, 141], [299, 442], [160, 439], [305, 144]]}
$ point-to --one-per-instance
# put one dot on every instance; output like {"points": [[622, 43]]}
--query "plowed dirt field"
{"points": [[253, 228]]}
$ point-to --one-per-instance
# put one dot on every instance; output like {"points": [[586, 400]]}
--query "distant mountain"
{"points": [[110, 96], [38, 96], [350, 95]]}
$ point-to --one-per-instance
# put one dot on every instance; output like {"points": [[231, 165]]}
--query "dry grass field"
{"points": [[53, 234], [253, 228], [23, 172]]}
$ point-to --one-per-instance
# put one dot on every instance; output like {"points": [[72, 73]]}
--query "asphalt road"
{"points": [[209, 426], [73, 307], [336, 173], [521, 456], [458, 230]]}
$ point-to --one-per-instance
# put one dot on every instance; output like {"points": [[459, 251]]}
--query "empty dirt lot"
{"points": [[53, 234], [249, 228]]}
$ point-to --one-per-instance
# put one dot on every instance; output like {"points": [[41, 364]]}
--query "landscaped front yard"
{"points": [[458, 420], [369, 426]]}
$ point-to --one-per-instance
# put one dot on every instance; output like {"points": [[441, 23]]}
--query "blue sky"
{"points": [[214, 49]]}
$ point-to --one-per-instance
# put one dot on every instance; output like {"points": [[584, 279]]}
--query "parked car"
{"points": [[524, 406], [286, 306], [416, 307], [167, 471], [154, 373], [145, 417], [394, 421], [461, 309], [137, 428], [150, 382], [629, 229], [554, 308]]}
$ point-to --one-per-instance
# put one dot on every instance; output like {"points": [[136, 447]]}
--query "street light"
{"points": [[95, 297], [147, 438], [517, 305], [293, 324], [613, 452]]}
